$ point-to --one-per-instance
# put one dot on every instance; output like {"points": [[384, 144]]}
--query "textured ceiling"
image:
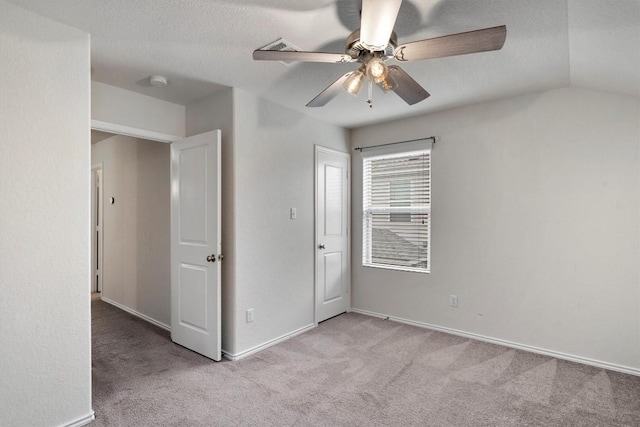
{"points": [[204, 45]]}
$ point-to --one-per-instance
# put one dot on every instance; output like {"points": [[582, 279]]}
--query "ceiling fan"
{"points": [[376, 42]]}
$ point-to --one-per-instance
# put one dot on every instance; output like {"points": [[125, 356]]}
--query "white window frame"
{"points": [[418, 147]]}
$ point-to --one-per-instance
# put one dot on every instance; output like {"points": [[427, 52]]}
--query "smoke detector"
{"points": [[158, 81]]}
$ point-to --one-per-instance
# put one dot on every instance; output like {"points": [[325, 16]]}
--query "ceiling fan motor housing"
{"points": [[356, 49]]}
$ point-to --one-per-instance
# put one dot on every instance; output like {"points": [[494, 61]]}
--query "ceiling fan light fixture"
{"points": [[377, 70], [388, 83], [375, 42], [353, 83]]}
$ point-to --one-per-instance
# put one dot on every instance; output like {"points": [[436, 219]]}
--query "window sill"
{"points": [[398, 268]]}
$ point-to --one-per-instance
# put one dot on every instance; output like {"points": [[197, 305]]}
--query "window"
{"points": [[397, 209]]}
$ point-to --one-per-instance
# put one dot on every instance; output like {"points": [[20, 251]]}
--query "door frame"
{"points": [[346, 155], [118, 129], [100, 212]]}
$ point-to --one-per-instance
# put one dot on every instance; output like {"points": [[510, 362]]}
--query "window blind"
{"points": [[397, 210]]}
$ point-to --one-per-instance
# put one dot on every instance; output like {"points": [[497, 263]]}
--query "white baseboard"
{"points": [[82, 421], [136, 313], [267, 344], [524, 347]]}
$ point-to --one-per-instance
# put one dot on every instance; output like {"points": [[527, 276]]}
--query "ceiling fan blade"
{"points": [[329, 93], [455, 44], [290, 55], [405, 87], [377, 21]]}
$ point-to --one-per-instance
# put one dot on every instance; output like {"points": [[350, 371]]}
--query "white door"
{"points": [[195, 243], [332, 233]]}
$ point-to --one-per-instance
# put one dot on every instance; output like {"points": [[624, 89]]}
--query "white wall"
{"points": [[45, 341], [136, 270], [274, 171], [535, 224], [129, 109], [267, 168], [216, 112]]}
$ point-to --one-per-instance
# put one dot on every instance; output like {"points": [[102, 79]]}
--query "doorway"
{"points": [[131, 206], [144, 182]]}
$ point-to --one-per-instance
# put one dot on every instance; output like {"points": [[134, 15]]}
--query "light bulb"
{"points": [[388, 83], [377, 70], [353, 83]]}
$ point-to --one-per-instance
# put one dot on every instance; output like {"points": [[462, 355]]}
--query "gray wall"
{"points": [[535, 224], [45, 341], [274, 164], [136, 270], [267, 168]]}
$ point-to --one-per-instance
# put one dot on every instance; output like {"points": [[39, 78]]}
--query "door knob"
{"points": [[321, 246], [211, 258], [220, 257]]}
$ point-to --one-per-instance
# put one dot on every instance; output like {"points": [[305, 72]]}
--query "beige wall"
{"points": [[136, 270], [535, 225], [45, 337]]}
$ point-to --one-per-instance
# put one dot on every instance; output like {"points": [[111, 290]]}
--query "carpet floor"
{"points": [[352, 370]]}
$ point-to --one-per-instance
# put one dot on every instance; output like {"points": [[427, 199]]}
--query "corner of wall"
{"points": [[229, 283]]}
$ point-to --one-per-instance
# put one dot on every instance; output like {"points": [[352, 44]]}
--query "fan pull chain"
{"points": [[370, 100]]}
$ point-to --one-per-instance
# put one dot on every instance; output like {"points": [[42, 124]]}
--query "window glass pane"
{"points": [[402, 244], [396, 211], [400, 195]]}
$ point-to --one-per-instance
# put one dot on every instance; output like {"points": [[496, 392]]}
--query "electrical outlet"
{"points": [[250, 315], [453, 300], [294, 213]]}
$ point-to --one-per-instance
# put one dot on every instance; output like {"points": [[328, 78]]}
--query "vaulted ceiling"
{"points": [[202, 46]]}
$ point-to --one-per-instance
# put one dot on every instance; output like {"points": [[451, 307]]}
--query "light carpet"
{"points": [[352, 370]]}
